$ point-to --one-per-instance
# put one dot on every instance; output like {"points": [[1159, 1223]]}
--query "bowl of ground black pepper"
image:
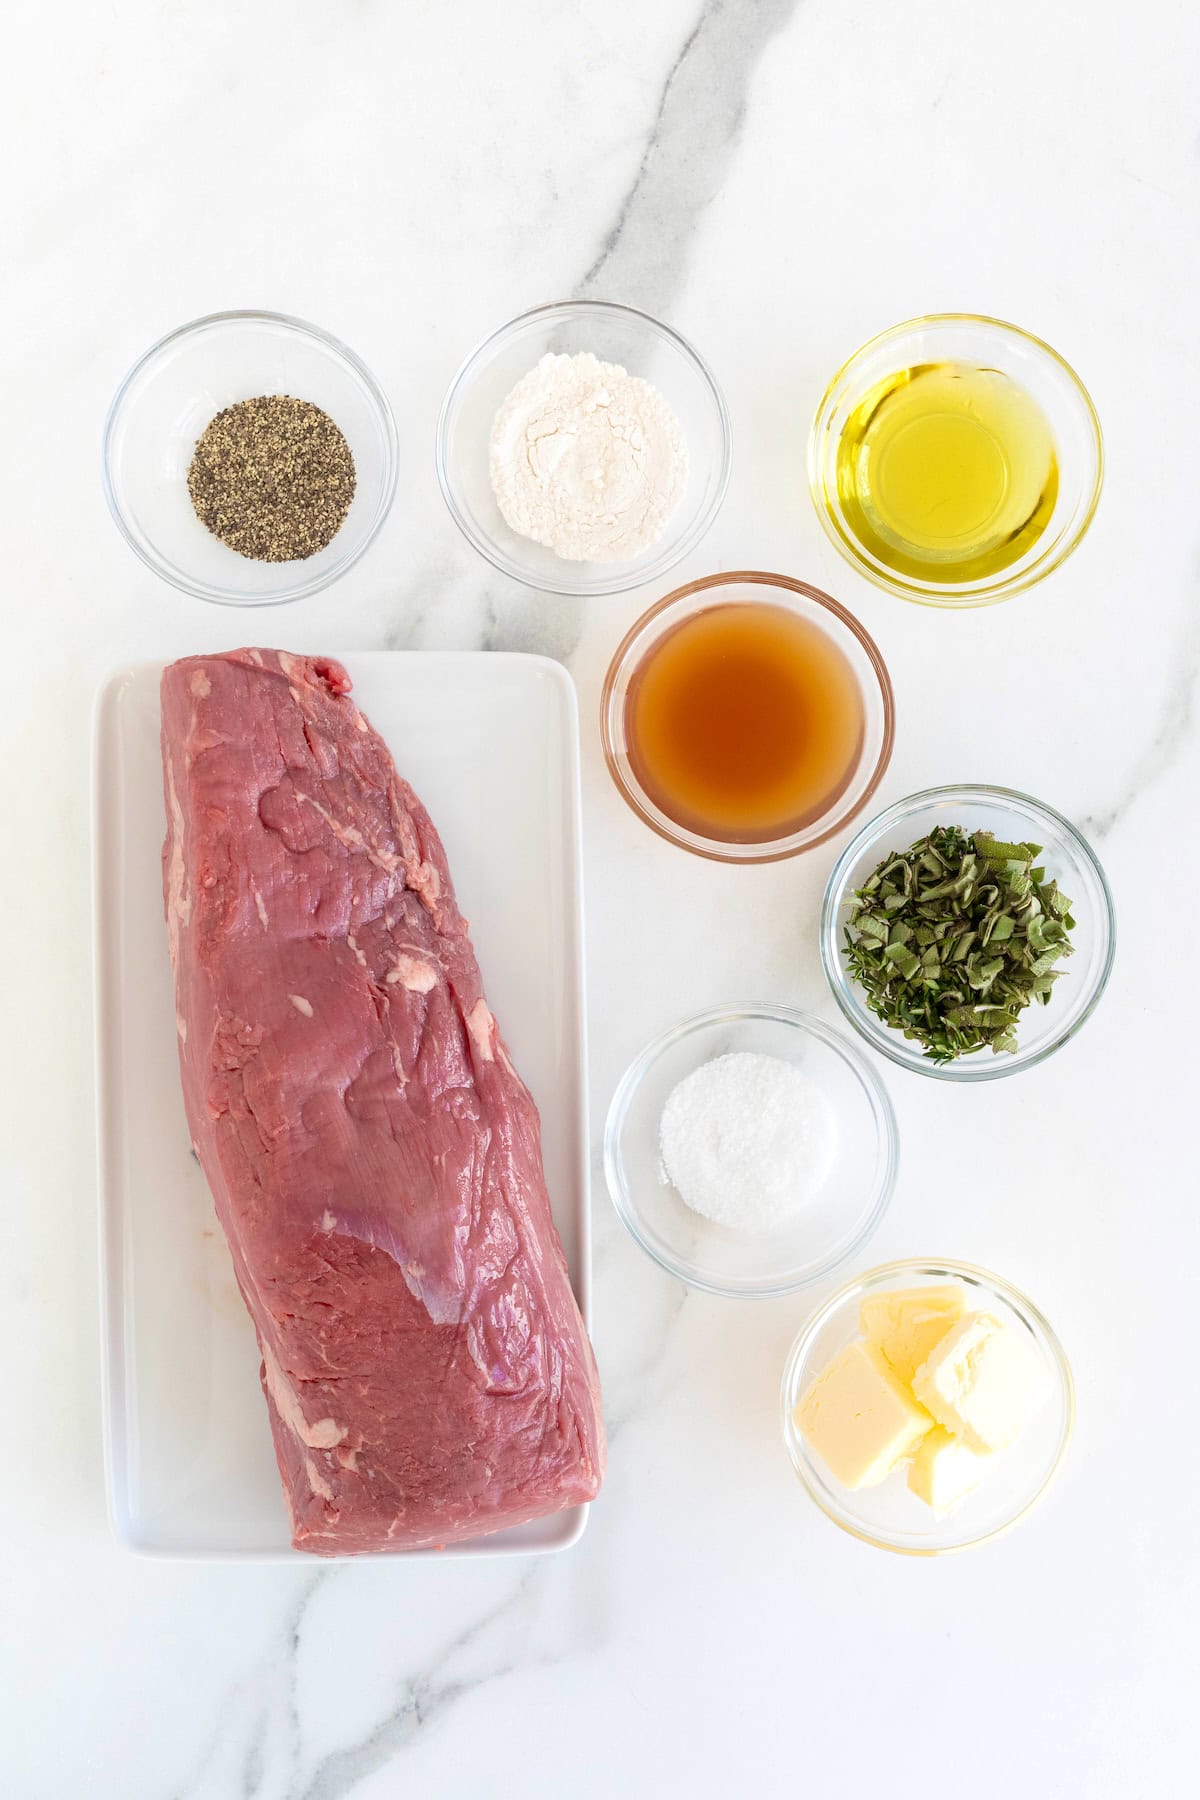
{"points": [[249, 458]]}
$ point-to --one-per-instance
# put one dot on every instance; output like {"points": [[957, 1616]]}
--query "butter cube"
{"points": [[945, 1470], [905, 1325], [983, 1382], [859, 1419]]}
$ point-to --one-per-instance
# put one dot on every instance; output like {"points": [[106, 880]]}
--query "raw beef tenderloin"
{"points": [[374, 1157]]}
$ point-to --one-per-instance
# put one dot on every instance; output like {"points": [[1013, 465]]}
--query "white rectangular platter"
{"points": [[491, 744]]}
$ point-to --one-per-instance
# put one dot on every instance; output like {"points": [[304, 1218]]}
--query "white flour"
{"points": [[747, 1140], [586, 459]]}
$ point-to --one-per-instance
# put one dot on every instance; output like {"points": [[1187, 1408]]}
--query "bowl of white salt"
{"points": [[750, 1151]]}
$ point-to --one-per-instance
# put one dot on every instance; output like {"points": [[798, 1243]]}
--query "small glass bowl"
{"points": [[889, 1516], [983, 343], [616, 334], [171, 394], [753, 587], [847, 1206], [1068, 858]]}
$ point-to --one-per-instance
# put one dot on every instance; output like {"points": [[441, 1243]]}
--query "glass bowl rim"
{"points": [[939, 1268], [909, 588], [148, 553], [878, 1098], [964, 1069], [640, 575], [710, 848]]}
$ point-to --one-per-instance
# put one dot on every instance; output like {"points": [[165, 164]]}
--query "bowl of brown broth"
{"points": [[747, 717]]}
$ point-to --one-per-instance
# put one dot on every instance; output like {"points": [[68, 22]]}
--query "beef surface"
{"points": [[374, 1157]]}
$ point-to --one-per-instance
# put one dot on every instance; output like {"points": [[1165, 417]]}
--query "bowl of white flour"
{"points": [[584, 448], [751, 1150]]}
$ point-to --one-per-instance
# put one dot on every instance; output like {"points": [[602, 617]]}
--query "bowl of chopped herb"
{"points": [[967, 932], [249, 458]]}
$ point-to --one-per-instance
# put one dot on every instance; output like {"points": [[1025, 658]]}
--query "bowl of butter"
{"points": [[927, 1407]]}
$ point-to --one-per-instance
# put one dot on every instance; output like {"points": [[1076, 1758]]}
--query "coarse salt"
{"points": [[747, 1140]]}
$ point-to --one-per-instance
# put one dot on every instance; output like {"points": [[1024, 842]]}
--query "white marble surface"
{"points": [[779, 179]]}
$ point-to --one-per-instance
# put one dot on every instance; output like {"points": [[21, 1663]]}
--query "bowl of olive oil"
{"points": [[956, 460]]}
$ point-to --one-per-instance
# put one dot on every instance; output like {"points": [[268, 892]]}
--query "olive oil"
{"points": [[744, 723], [947, 472]]}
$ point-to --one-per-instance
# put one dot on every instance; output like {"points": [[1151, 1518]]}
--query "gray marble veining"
{"points": [[427, 1695], [693, 136], [1171, 729], [273, 1704]]}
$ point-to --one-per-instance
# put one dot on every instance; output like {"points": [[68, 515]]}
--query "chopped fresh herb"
{"points": [[951, 939]]}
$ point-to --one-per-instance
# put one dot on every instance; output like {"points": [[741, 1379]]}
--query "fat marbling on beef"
{"points": [[374, 1157]]}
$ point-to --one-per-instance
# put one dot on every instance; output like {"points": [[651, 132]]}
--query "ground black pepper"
{"points": [[272, 477]]}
